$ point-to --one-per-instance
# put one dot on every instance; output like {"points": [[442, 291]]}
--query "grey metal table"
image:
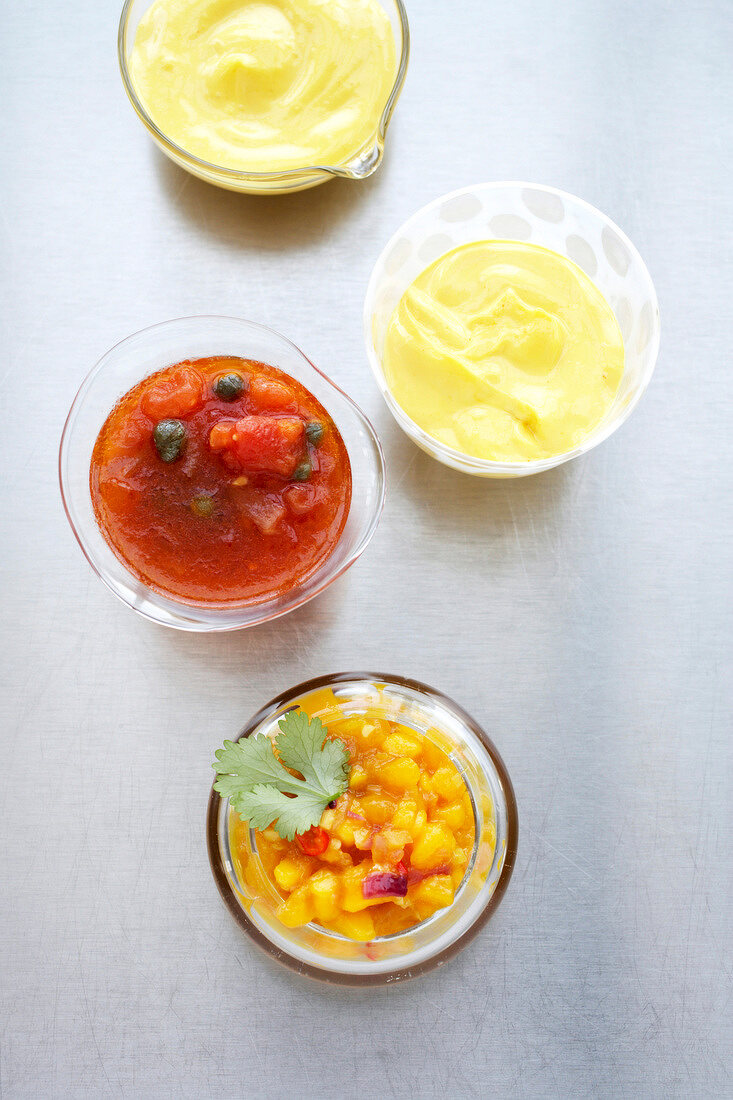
{"points": [[583, 616]]}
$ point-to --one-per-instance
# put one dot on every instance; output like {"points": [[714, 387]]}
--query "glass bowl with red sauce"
{"points": [[214, 477]]}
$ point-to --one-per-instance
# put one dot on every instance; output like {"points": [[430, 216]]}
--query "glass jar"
{"points": [[253, 899]]}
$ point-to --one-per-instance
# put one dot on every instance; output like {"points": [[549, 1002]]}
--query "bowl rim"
{"points": [[358, 167], [398, 973], [182, 608], [458, 459]]}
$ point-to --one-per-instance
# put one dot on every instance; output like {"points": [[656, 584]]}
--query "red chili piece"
{"points": [[314, 842]]}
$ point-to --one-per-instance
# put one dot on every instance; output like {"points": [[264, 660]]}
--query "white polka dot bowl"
{"points": [[542, 216]]}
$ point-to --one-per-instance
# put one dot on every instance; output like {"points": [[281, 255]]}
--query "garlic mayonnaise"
{"points": [[265, 85], [504, 351]]}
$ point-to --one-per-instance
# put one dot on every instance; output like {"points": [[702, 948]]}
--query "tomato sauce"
{"points": [[220, 481]]}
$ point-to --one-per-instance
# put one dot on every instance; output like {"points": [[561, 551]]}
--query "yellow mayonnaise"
{"points": [[266, 86], [504, 351]]}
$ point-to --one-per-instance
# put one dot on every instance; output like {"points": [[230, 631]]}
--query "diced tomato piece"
{"points": [[266, 510], [117, 493], [130, 437], [314, 842], [221, 436], [262, 443], [267, 394], [301, 499], [181, 392]]}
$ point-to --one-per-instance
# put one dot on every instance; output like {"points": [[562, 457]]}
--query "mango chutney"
{"points": [[388, 853]]}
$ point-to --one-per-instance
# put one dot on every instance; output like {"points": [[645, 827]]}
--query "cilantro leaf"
{"points": [[252, 761], [263, 791], [264, 804], [303, 746]]}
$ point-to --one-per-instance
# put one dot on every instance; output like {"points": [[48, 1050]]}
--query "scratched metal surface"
{"points": [[583, 617]]}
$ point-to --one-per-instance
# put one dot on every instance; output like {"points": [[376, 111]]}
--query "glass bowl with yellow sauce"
{"points": [[321, 925], [266, 96], [510, 327]]}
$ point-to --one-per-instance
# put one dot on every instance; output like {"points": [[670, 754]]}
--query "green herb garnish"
{"points": [[263, 792]]}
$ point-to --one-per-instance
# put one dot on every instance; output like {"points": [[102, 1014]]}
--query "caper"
{"points": [[302, 472], [169, 437], [314, 431], [202, 506], [228, 387]]}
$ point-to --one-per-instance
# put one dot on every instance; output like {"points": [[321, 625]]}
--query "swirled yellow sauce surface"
{"points": [[265, 85], [504, 351]]}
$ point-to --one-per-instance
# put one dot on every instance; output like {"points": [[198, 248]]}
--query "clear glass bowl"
{"points": [[326, 955], [364, 162], [190, 338], [546, 217]]}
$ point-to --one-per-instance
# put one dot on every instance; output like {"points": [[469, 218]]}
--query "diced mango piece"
{"points": [[347, 727], [324, 888], [362, 837], [436, 891], [374, 761], [453, 815], [366, 733], [352, 898], [358, 778], [298, 909], [388, 845], [401, 774], [401, 744], [433, 757], [274, 838], [460, 858], [448, 783], [433, 848], [404, 815], [335, 856], [358, 926], [377, 809], [345, 832], [290, 872], [457, 875]]}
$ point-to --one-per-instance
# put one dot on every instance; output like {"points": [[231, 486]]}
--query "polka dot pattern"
{"points": [[544, 205], [581, 253], [511, 227], [399, 255], [625, 317], [433, 247], [644, 327], [616, 251], [460, 209]]}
